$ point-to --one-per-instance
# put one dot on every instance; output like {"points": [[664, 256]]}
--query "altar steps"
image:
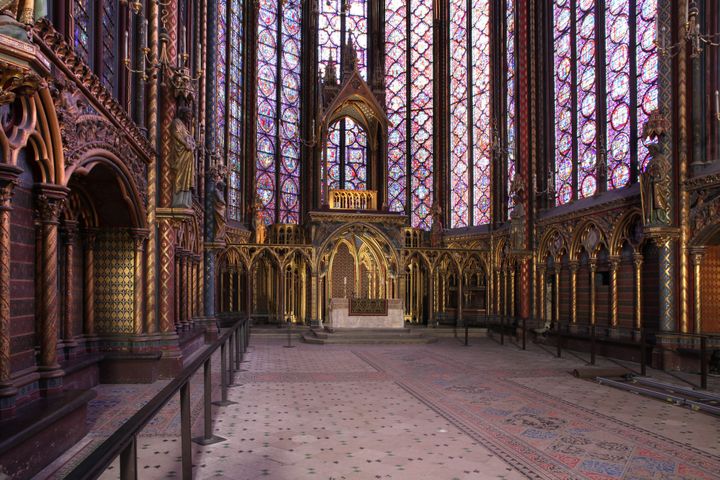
{"points": [[378, 336]]}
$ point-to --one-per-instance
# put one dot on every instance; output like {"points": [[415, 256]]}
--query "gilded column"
{"points": [[638, 261], [558, 266], [697, 255], [684, 196], [70, 237], [512, 292], [525, 287], [574, 265], [231, 288], [431, 296], [177, 290], [7, 182], [593, 269], [667, 293], [89, 236], [506, 292], [139, 236], [165, 285], [497, 291], [188, 287], [50, 201], [541, 292], [313, 298], [460, 300], [614, 266]]}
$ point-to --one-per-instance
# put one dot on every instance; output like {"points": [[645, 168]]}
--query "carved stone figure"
{"points": [[516, 194], [220, 208], [259, 223], [183, 167], [436, 231], [655, 187]]}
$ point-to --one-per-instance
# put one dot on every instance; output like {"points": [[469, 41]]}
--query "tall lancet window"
{"points": [[470, 129], [278, 108], [598, 125], [235, 98], [409, 100], [341, 22], [510, 94]]}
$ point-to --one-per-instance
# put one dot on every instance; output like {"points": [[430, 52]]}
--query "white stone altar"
{"points": [[339, 316]]}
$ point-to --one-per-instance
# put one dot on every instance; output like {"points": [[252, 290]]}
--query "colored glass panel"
{"points": [[563, 80], [647, 70], [510, 101], [221, 77], [586, 88], [81, 23], [459, 128], [345, 155], [618, 102], [480, 105], [278, 110], [109, 44], [396, 99], [235, 124]]}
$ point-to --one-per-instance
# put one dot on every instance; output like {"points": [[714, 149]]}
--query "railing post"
{"points": [[231, 359], [238, 353], [289, 337], [223, 379], [703, 363], [466, 333], [523, 332], [128, 461], [185, 433], [208, 438], [643, 353], [559, 342], [502, 330], [592, 344]]}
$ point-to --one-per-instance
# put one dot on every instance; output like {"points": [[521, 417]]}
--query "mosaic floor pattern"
{"points": [[437, 411]]}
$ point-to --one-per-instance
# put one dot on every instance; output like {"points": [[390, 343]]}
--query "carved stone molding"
{"points": [[63, 55], [17, 81]]}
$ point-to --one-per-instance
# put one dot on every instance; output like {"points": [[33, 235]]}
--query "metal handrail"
{"points": [[123, 441]]}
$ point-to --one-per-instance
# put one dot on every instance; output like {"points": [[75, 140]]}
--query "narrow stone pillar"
{"points": [[177, 317], [50, 202], [231, 288], [188, 288], [248, 294], [70, 238], [697, 255], [638, 261], [139, 237], [8, 178], [614, 267], [431, 299], [574, 265], [89, 237]]}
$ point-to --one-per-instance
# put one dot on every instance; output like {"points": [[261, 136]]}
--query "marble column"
{"points": [[614, 267], [697, 256], [8, 178], [49, 201], [70, 239]]}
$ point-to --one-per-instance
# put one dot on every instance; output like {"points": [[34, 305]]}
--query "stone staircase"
{"points": [[375, 336]]}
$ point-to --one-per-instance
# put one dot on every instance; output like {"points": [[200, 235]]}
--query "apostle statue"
{"points": [[655, 187], [517, 215], [436, 230], [183, 159], [258, 222]]}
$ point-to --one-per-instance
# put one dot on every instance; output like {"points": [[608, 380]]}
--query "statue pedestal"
{"points": [[340, 317]]}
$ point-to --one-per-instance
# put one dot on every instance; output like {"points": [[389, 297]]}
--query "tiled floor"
{"points": [[437, 411]]}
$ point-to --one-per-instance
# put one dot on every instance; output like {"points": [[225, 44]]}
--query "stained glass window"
{"points": [[278, 104], [81, 24], [510, 94], [221, 76], [109, 44], [408, 90], [342, 22], [470, 131], [630, 72], [235, 124]]}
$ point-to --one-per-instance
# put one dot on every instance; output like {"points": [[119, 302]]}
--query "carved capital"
{"points": [[16, 81], [139, 235], [89, 237], [574, 265], [615, 262], [70, 232], [49, 208]]}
